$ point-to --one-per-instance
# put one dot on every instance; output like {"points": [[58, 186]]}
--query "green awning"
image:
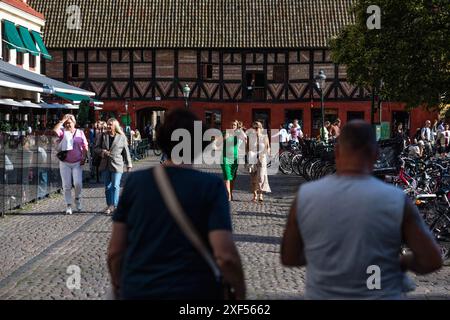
{"points": [[75, 98], [13, 40], [28, 41], [37, 37]]}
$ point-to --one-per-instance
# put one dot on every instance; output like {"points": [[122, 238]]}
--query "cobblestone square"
{"points": [[38, 243]]}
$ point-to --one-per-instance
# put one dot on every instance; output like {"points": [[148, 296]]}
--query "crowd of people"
{"points": [[428, 140], [170, 241], [292, 133]]}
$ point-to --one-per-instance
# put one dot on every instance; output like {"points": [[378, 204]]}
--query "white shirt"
{"points": [[326, 134], [284, 136], [444, 138], [67, 141], [426, 134]]}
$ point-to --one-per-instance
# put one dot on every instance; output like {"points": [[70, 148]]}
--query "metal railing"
{"points": [[29, 168]]}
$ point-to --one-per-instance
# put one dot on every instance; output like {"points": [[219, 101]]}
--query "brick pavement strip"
{"points": [[39, 242]]}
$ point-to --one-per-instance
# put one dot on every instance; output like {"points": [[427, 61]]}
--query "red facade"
{"points": [[245, 112]]}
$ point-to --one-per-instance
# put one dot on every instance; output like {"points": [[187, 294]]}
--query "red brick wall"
{"points": [[244, 112]]}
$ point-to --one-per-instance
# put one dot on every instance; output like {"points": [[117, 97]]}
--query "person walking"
{"points": [[150, 256], [231, 143], [426, 136], [100, 127], [73, 147], [345, 226], [335, 130], [112, 147], [444, 140], [283, 137], [325, 132], [136, 139], [258, 153], [297, 127], [92, 138]]}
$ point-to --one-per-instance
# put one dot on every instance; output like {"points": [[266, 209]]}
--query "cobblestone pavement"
{"points": [[38, 243]]}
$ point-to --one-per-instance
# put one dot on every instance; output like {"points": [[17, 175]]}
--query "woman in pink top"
{"points": [[75, 143]]}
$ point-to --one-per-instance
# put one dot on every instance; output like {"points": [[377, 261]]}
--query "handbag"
{"points": [[62, 155], [186, 226]]}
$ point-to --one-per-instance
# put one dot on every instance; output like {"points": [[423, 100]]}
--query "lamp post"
{"points": [[380, 100], [127, 124], [186, 92], [320, 82]]}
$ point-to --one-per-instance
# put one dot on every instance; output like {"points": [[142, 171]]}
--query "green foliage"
{"points": [[410, 52], [5, 126], [83, 113]]}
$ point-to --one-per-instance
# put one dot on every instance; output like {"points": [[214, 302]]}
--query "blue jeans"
{"points": [[112, 187]]}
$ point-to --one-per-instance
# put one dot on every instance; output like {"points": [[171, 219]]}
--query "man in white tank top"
{"points": [[347, 228]]}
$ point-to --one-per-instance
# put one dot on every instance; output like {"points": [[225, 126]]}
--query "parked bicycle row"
{"points": [[427, 182], [308, 158]]}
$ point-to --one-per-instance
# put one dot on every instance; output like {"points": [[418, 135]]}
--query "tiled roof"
{"points": [[19, 4], [194, 23]]}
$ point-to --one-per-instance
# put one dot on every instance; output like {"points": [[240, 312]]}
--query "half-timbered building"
{"points": [[242, 59]]}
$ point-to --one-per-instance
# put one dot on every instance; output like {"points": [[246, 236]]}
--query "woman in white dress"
{"points": [[258, 153]]}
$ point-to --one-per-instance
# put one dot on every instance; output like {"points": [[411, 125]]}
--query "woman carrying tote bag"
{"points": [[73, 147], [112, 147]]}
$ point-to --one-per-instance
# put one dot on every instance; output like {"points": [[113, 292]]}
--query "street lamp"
{"points": [[127, 124], [320, 82], [380, 99], [186, 92]]}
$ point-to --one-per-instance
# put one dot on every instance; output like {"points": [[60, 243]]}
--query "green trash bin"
{"points": [[126, 120], [385, 130]]}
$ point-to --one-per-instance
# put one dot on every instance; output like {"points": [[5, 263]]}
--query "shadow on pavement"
{"points": [[261, 214], [256, 239], [55, 213]]}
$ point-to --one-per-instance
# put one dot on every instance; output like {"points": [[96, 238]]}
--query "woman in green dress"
{"points": [[231, 143]]}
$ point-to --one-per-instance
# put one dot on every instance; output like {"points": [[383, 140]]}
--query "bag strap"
{"points": [[171, 201]]}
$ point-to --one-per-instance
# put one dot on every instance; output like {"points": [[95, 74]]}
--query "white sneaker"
{"points": [[78, 204], [69, 210]]}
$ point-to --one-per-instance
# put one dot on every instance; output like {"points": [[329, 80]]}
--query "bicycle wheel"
{"points": [[157, 152], [301, 165], [304, 168], [441, 227], [295, 163], [311, 167], [317, 170], [285, 162]]}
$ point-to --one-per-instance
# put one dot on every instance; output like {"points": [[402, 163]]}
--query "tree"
{"points": [[409, 53], [83, 113]]}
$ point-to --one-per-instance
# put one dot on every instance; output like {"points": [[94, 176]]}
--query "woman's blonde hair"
{"points": [[237, 123], [116, 125], [72, 118]]}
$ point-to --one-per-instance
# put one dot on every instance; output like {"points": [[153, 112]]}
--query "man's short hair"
{"points": [[174, 119], [359, 137]]}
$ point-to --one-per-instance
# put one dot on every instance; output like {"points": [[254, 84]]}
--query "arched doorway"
{"points": [[149, 116]]}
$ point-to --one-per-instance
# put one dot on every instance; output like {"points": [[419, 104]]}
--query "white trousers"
{"points": [[68, 172]]}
